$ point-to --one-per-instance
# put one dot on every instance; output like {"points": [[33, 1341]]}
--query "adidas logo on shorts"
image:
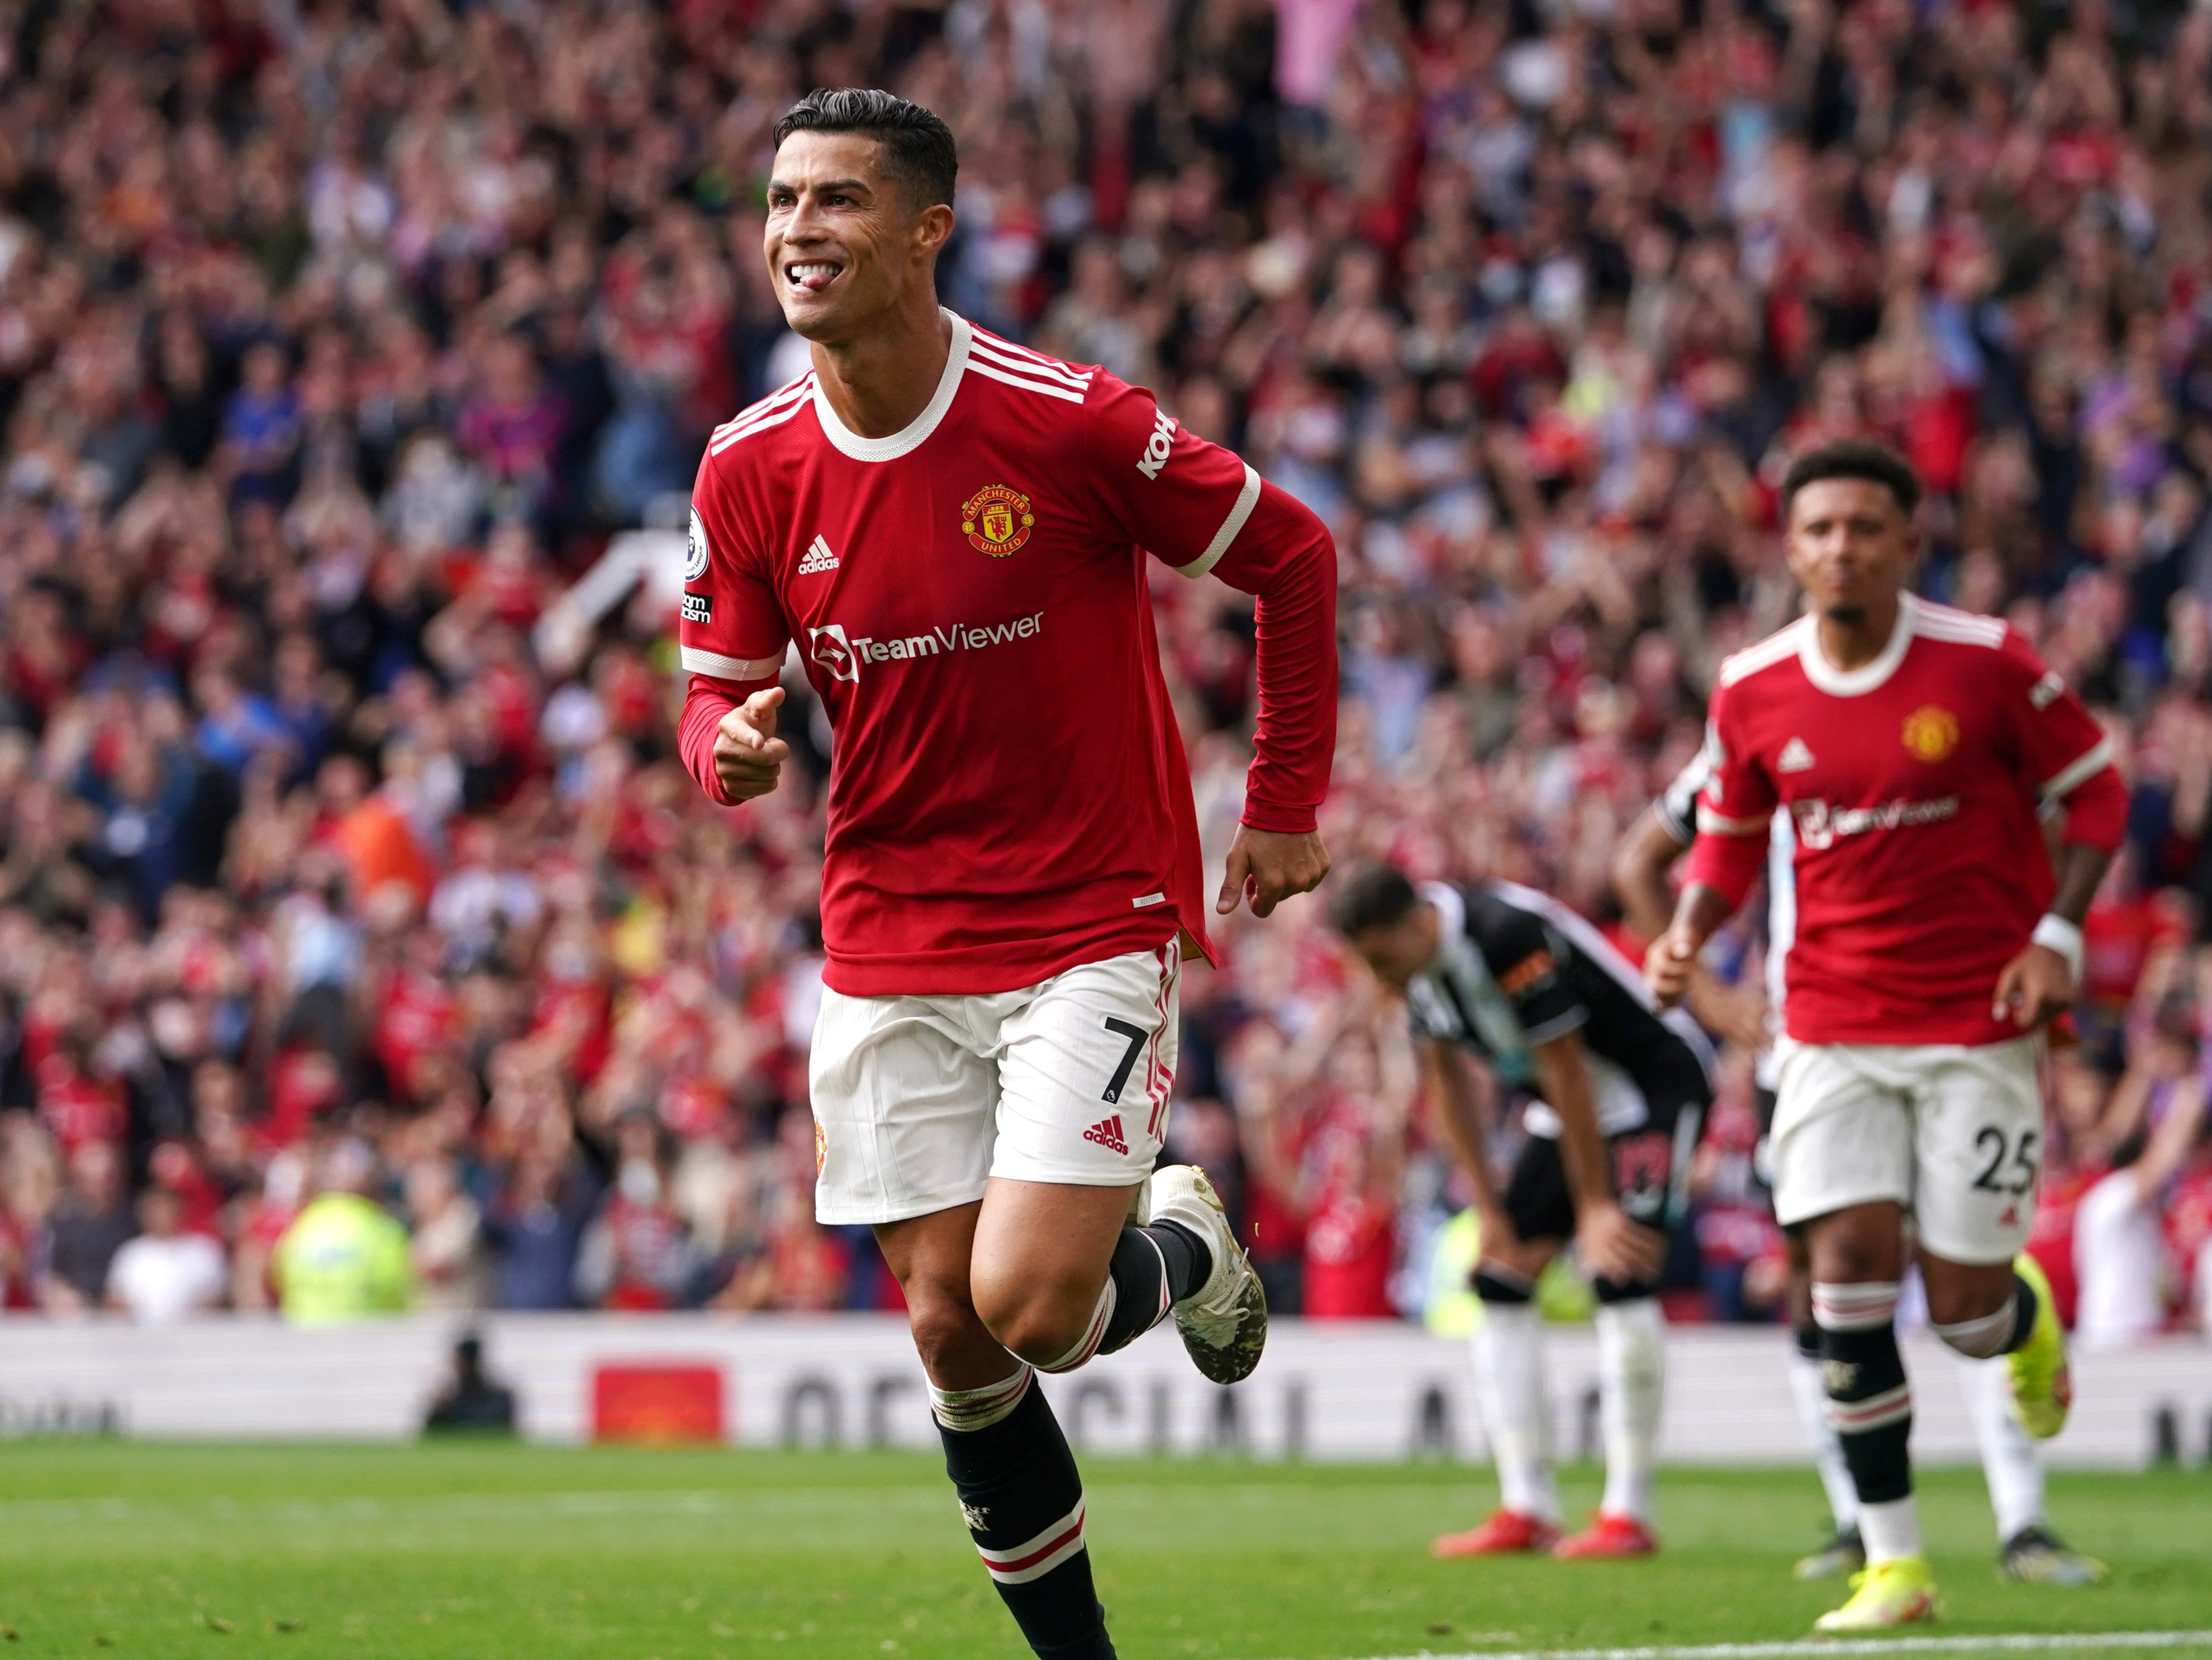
{"points": [[1107, 1133]]}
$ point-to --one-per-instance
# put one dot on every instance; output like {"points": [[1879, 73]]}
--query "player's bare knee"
{"points": [[1040, 1328], [1039, 1317], [948, 1334], [1960, 1295], [1854, 1250]]}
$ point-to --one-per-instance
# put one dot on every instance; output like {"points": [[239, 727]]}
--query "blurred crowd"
{"points": [[362, 943]]}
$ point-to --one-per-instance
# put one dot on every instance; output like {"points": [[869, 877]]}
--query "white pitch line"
{"points": [[2012, 1644]]}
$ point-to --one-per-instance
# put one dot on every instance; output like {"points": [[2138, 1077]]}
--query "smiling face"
{"points": [[847, 243], [1851, 546]]}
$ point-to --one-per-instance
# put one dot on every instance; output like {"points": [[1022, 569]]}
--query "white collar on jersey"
{"points": [[909, 438], [1857, 683], [1451, 922]]}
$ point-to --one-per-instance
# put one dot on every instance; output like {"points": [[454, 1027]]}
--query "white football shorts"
{"points": [[918, 1101], [1952, 1132]]}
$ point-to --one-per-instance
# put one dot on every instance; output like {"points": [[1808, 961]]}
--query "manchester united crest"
{"points": [[1931, 731], [997, 520]]}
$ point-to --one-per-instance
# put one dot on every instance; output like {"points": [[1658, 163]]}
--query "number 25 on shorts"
{"points": [[2021, 1168]]}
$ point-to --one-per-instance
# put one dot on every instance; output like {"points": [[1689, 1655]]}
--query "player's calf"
{"points": [[1870, 1404], [1152, 1267], [1508, 1351], [1021, 1498], [1061, 1323]]}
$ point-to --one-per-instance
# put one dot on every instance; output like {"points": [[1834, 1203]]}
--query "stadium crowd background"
{"points": [[335, 339]]}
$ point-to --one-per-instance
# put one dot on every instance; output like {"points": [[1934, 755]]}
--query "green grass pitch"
{"points": [[483, 1552]]}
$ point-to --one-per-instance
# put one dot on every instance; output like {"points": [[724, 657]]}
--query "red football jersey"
{"points": [[1008, 795], [1914, 782]]}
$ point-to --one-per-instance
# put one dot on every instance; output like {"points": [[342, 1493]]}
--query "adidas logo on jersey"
{"points": [[1107, 1133], [818, 558], [1795, 757]]}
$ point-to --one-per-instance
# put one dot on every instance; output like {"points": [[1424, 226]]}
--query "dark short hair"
{"points": [[917, 147], [1378, 896], [1854, 457]]}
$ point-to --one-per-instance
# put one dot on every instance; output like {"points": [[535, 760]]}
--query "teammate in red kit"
{"points": [[953, 529], [1913, 746]]}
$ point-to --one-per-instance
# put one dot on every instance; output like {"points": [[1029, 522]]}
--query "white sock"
{"points": [[969, 1410], [2009, 1458], [1632, 1367], [1891, 1530], [1509, 1388], [1983, 1338], [1812, 1393]]}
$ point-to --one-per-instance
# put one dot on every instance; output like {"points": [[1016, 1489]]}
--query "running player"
{"points": [[1618, 1096], [951, 528], [1911, 745], [2028, 1551]]}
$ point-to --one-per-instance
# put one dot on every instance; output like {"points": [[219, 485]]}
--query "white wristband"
{"points": [[2055, 933]]}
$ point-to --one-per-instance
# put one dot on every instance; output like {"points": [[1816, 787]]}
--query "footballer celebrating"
{"points": [[953, 529], [1619, 1091], [1913, 747]]}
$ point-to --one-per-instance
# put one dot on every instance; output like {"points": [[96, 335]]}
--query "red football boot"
{"points": [[1507, 1533], [1609, 1537]]}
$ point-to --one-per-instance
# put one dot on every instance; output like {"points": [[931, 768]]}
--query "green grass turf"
{"points": [[483, 1552]]}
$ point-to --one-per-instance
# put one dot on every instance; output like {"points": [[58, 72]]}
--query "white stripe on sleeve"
{"points": [[2071, 778], [1712, 824], [700, 661], [1247, 499]]}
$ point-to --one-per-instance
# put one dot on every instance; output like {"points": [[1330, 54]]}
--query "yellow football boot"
{"points": [[2042, 1386], [1899, 1592]]}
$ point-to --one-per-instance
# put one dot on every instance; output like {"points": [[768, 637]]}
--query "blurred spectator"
{"points": [[535, 1225], [446, 1242], [29, 1180], [344, 1257], [1326, 1143], [1739, 1249], [165, 1275], [261, 430], [2157, 1121], [87, 1227], [637, 1253]]}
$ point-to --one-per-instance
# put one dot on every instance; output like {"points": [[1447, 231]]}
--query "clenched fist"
{"points": [[1268, 867], [748, 755]]}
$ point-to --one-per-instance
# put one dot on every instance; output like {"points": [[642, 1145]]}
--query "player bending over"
{"points": [[1911, 745], [951, 528], [2011, 1461], [1620, 1091]]}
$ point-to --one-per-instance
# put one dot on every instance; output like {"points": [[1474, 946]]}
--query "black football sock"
{"points": [[1022, 1499], [1154, 1268], [1189, 1259], [1869, 1401]]}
